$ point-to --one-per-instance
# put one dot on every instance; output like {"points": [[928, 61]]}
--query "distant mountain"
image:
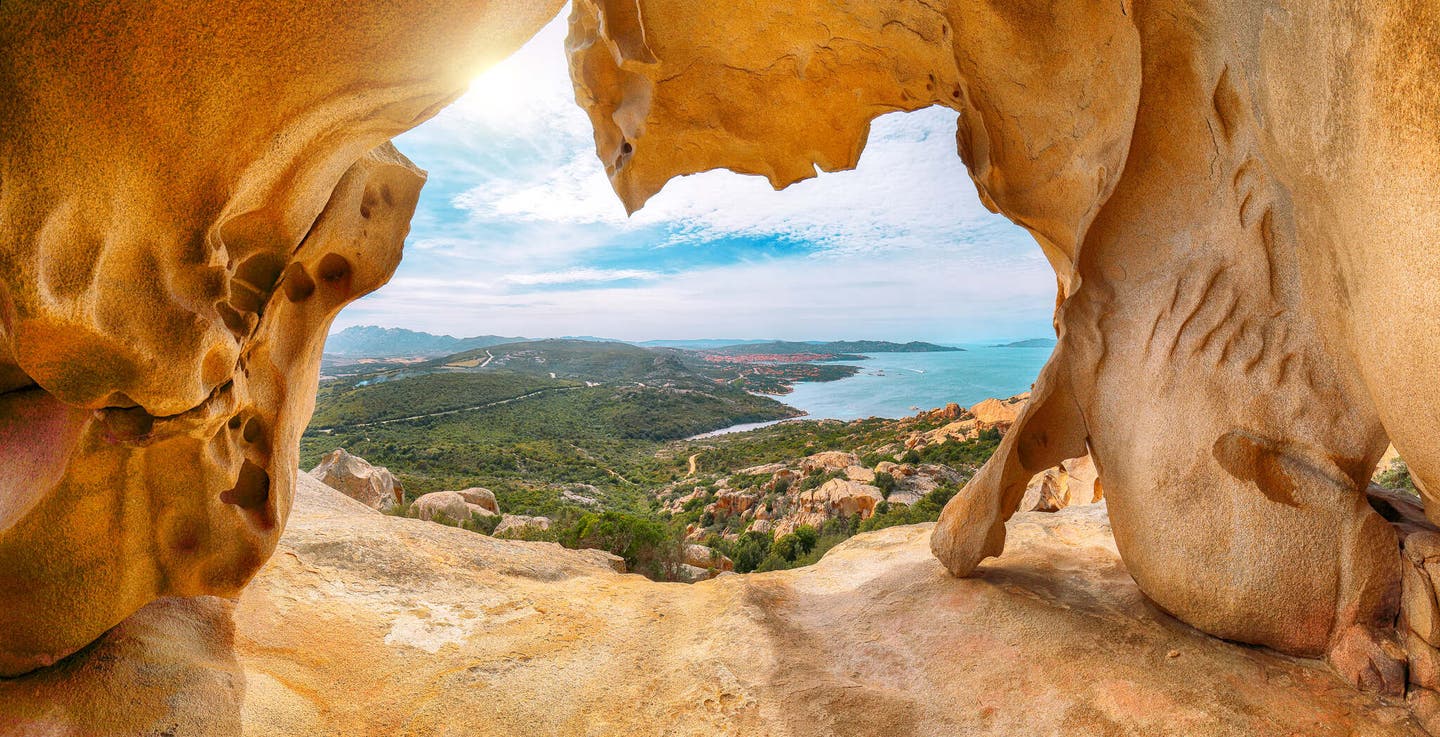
{"points": [[575, 358], [790, 347], [1029, 343], [590, 339], [369, 341], [697, 344]]}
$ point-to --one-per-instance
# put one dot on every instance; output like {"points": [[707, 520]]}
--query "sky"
{"points": [[518, 232]]}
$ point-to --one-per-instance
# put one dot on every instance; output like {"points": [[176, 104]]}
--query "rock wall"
{"points": [[1235, 198], [188, 195]]}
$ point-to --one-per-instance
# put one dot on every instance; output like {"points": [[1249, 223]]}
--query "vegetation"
{"points": [[600, 448], [1397, 477], [362, 402]]}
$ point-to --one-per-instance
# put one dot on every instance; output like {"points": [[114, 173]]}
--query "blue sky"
{"points": [[518, 233]]}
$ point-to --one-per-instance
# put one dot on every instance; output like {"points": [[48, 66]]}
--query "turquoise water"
{"points": [[924, 380]]}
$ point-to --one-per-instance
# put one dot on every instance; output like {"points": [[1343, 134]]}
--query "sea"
{"points": [[902, 384]]}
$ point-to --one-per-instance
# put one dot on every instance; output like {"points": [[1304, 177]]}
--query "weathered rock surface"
{"points": [[706, 558], [1074, 481], [826, 461], [516, 524], [834, 499], [364, 624], [447, 506], [990, 414], [1236, 199], [355, 477], [190, 194], [483, 498]]}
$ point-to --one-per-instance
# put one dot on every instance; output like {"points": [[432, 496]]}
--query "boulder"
{"points": [[353, 476], [448, 506], [827, 461], [1074, 481], [483, 498], [686, 573], [729, 503], [519, 524], [995, 414], [707, 558], [584, 495], [859, 473]]}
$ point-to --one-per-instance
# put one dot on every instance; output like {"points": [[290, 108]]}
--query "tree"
{"points": [[885, 482], [750, 550]]}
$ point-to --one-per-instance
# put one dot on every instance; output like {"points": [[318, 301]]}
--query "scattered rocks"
{"points": [[835, 498], [353, 476], [826, 461]]}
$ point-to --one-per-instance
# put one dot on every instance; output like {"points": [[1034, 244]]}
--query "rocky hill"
{"points": [[370, 341]]}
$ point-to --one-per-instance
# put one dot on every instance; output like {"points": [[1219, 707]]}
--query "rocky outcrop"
{"points": [[353, 476], [1072, 482], [1230, 316], [482, 498], [520, 524], [827, 461], [706, 558], [834, 499], [449, 507], [364, 624], [190, 196], [990, 414], [730, 502]]}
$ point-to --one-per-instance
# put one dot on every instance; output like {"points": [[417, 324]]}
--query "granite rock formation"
{"points": [[365, 624], [1236, 199], [188, 195], [353, 476]]}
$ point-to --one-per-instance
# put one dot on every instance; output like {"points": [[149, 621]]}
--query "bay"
{"points": [[894, 384]]}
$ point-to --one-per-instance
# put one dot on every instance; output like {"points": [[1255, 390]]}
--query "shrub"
{"points": [[885, 482], [482, 524], [747, 480], [807, 536], [1397, 477], [645, 544], [749, 550]]}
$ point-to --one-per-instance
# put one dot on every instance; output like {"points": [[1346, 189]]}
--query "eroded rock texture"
{"points": [[187, 196], [366, 624], [1237, 199]]}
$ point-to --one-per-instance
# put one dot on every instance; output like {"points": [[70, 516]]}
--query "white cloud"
{"points": [[909, 296], [518, 213], [909, 191], [579, 276]]}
